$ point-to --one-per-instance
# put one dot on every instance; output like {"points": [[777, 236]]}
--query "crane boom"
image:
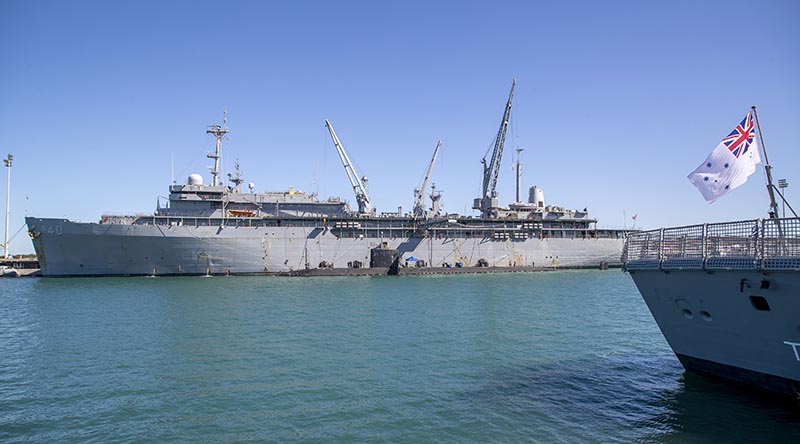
{"points": [[419, 195], [487, 203], [360, 189], [491, 172]]}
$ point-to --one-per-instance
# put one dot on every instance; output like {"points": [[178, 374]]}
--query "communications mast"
{"points": [[218, 132]]}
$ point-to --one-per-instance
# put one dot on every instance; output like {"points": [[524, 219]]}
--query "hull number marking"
{"points": [[795, 347], [53, 229]]}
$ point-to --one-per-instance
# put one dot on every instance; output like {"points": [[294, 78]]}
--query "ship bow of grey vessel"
{"points": [[726, 297]]}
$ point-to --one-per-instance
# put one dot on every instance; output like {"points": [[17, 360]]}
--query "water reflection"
{"points": [[633, 398]]}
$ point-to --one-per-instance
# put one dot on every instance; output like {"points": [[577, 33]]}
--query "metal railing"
{"points": [[761, 244]]}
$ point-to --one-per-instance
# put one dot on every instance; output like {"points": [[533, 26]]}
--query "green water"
{"points": [[537, 357]]}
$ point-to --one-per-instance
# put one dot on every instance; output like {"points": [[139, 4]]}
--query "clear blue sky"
{"points": [[616, 101]]}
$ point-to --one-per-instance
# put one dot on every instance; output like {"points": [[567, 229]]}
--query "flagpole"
{"points": [[773, 213]]}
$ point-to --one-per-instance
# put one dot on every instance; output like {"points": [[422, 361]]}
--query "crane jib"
{"points": [[493, 170], [359, 188]]}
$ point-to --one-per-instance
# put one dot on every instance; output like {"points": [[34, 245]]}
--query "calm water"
{"points": [[544, 357]]}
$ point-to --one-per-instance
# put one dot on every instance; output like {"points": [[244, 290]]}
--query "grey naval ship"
{"points": [[221, 229], [725, 296]]}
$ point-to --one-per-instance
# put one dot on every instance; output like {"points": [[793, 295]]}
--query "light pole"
{"points": [[519, 171], [782, 184], [7, 163]]}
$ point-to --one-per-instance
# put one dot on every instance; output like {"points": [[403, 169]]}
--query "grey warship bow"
{"points": [[725, 297], [725, 294], [220, 229]]}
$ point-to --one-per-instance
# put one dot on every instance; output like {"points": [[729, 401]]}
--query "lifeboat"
{"points": [[241, 213]]}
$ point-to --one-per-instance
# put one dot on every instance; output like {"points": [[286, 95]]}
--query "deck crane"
{"points": [[419, 193], [359, 185], [488, 202]]}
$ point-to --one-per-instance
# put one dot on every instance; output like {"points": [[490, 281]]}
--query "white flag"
{"points": [[730, 164]]}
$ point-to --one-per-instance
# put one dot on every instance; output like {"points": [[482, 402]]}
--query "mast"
{"points": [[7, 162], [435, 204], [359, 185], [419, 194], [773, 206], [519, 170], [218, 132], [492, 170], [236, 178]]}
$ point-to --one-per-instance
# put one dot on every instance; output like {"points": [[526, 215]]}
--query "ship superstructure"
{"points": [[220, 229]]}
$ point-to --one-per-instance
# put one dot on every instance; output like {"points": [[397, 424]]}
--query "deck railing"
{"points": [[761, 244]]}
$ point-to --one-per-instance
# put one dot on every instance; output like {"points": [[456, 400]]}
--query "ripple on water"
{"points": [[548, 357]]}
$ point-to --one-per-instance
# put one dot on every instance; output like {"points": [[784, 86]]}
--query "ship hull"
{"points": [[736, 325], [67, 248]]}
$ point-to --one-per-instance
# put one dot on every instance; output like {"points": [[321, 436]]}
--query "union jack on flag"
{"points": [[730, 164], [739, 140]]}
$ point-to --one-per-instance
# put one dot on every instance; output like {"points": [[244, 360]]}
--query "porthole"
{"points": [[759, 303]]}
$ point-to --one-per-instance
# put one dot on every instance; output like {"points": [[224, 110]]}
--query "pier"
{"points": [[423, 271], [21, 266]]}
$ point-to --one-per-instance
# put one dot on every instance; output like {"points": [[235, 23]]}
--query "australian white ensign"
{"points": [[730, 164]]}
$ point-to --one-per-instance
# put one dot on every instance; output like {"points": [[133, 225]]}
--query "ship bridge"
{"points": [[193, 200]]}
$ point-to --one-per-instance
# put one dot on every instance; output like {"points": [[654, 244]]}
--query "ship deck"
{"points": [[761, 245]]}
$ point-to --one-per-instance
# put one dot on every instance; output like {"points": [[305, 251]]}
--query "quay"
{"points": [[421, 271], [29, 267], [20, 266]]}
